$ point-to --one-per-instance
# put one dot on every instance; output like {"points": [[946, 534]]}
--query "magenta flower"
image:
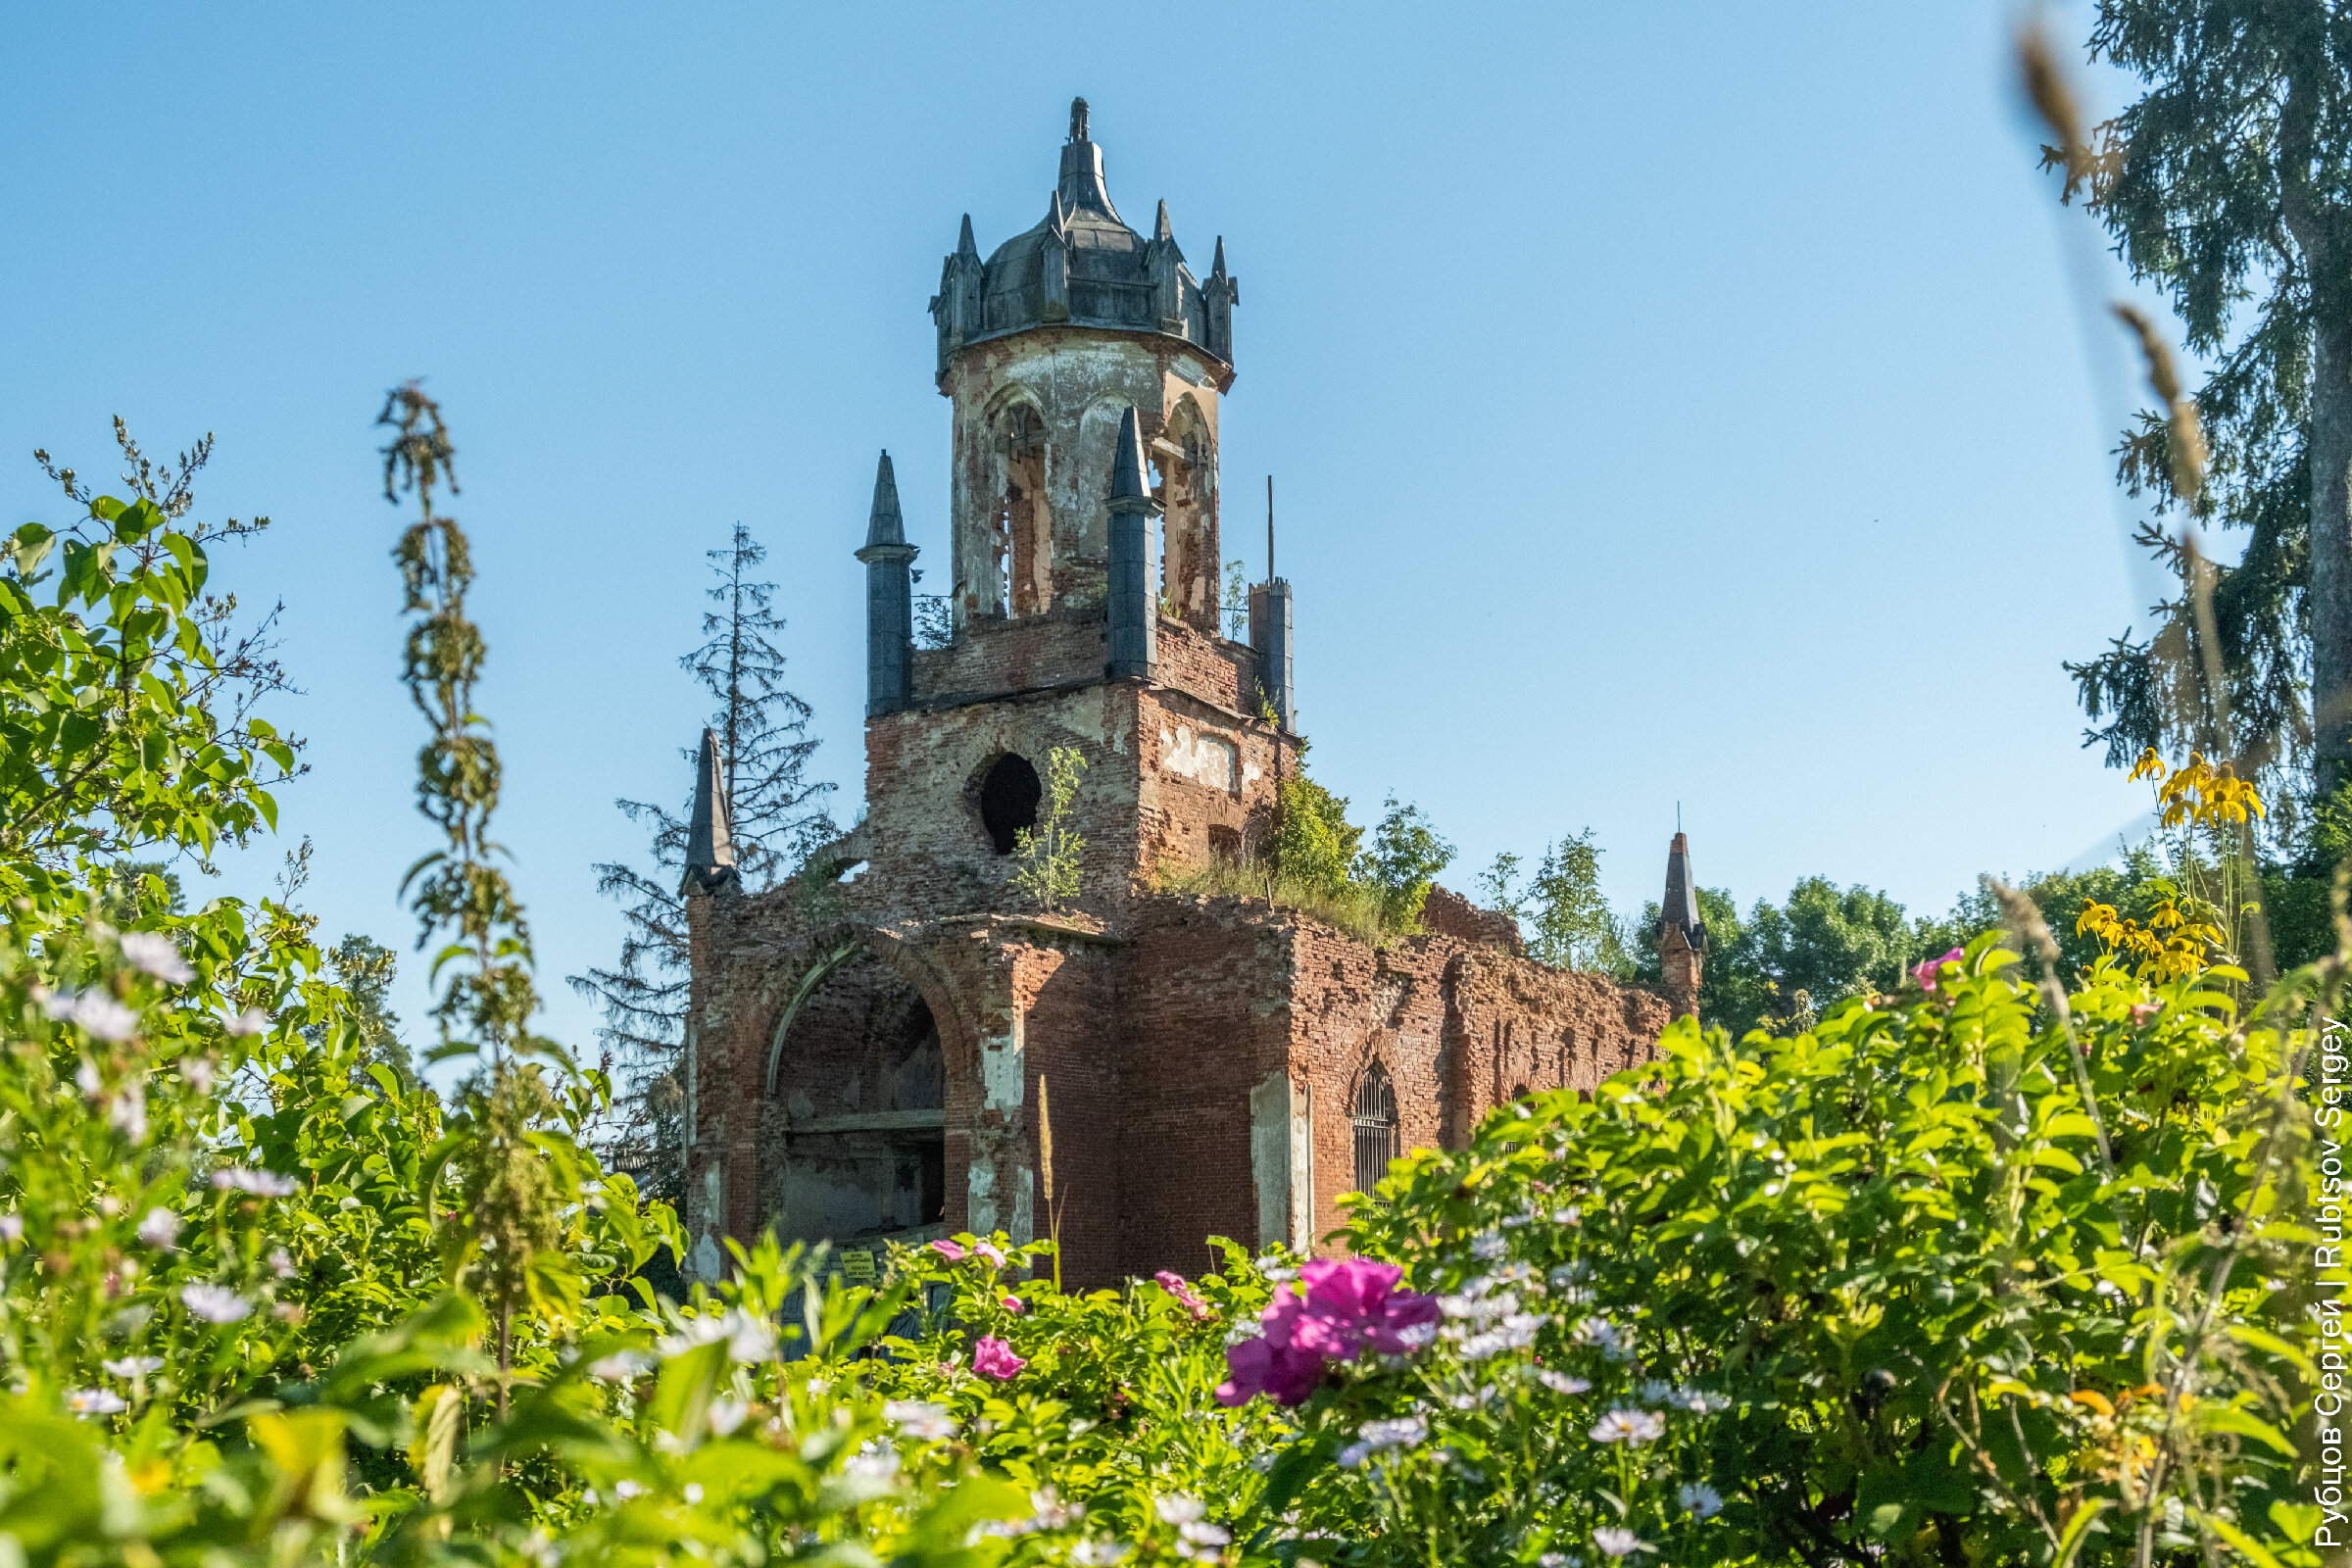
{"points": [[1344, 1308], [988, 1251], [1927, 972], [993, 1357], [1012, 1303], [1174, 1285], [953, 1251], [1283, 1373]]}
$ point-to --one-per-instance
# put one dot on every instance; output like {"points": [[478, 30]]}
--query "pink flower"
{"points": [[1352, 1303], [993, 1357], [1012, 1303], [1344, 1308], [2141, 1013], [1174, 1285], [1927, 972], [953, 1251], [1282, 1373], [988, 1251]]}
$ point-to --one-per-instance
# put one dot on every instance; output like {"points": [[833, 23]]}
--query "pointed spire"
{"points": [[1130, 490], [1081, 182], [1216, 267], [1160, 230], [1057, 218], [963, 241], [710, 846], [1679, 910], [885, 527]]}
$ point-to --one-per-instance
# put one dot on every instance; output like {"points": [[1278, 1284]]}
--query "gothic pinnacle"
{"points": [[1130, 490], [885, 527], [963, 242], [1160, 230], [710, 845]]}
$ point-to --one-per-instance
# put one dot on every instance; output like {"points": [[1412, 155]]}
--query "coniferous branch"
{"points": [[777, 817]]}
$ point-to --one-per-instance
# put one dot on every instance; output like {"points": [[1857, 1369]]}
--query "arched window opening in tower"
{"points": [[1187, 468], [1024, 520], [1009, 797], [1376, 1134]]}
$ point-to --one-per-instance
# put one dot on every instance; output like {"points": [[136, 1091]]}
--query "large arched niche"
{"points": [[857, 1079]]}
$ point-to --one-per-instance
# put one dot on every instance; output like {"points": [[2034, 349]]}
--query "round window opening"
{"points": [[1008, 798]]}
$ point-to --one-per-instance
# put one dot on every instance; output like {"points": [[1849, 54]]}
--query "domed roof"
{"points": [[1080, 265]]}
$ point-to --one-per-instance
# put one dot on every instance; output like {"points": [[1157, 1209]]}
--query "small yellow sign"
{"points": [[857, 1267]]}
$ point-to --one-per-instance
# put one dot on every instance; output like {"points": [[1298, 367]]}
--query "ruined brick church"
{"points": [[885, 1047]]}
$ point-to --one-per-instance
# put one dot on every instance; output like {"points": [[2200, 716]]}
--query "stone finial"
{"points": [[1130, 488], [964, 244], [1078, 119], [884, 525], [1679, 909], [889, 601], [710, 843], [1681, 936], [1160, 230], [1219, 296]]}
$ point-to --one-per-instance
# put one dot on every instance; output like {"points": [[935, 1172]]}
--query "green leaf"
{"points": [[2070, 1540], [2246, 1545], [682, 1399]]}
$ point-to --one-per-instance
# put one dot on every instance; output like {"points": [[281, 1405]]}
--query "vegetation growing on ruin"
{"points": [[1996, 1253], [1047, 858]]}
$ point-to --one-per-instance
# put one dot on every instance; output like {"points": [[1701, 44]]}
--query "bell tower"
{"points": [[1043, 348], [1086, 365]]}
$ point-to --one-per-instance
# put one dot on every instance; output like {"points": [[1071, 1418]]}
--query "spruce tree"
{"points": [[777, 814], [2229, 185]]}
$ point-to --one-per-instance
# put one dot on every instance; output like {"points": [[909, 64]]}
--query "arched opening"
{"points": [[861, 1081], [1189, 568], [1376, 1133], [1024, 529], [1009, 797]]}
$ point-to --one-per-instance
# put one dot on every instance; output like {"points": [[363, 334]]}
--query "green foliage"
{"points": [[1316, 862], [126, 695], [776, 818], [1403, 861], [363, 969], [1047, 860], [1315, 844], [1111, 1423], [1827, 941], [1781, 964], [1876, 1286], [1353, 908], [2227, 184], [1562, 917]]}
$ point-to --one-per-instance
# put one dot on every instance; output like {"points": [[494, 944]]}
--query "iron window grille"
{"points": [[1376, 1137]]}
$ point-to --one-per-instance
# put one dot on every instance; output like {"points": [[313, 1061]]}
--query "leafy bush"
{"points": [[1892, 1287]]}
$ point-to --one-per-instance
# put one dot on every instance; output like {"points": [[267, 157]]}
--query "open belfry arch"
{"points": [[867, 1041]]}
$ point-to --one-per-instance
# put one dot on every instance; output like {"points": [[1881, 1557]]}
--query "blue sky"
{"points": [[1690, 404]]}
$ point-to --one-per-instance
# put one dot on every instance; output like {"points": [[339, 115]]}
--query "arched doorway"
{"points": [[860, 1085]]}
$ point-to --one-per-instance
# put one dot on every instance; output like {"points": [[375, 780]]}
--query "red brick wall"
{"points": [[1209, 667], [1446, 913], [1201, 1019], [993, 657]]}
